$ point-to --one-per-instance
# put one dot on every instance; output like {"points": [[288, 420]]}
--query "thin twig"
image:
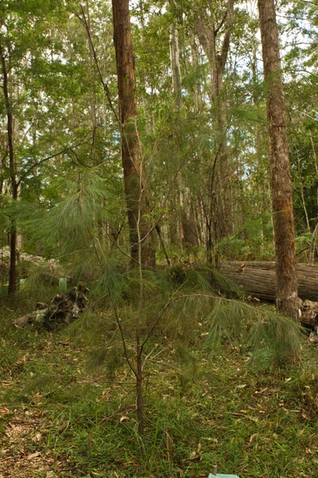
{"points": [[132, 368]]}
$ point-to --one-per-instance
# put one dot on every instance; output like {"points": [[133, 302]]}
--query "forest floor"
{"points": [[20, 435], [25, 426], [67, 407]]}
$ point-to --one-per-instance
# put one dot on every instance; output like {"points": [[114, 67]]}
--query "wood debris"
{"points": [[61, 310]]}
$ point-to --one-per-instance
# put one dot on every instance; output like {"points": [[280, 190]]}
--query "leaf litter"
{"points": [[22, 434]]}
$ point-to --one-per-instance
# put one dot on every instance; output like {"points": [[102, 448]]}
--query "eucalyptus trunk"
{"points": [[281, 186], [140, 237]]}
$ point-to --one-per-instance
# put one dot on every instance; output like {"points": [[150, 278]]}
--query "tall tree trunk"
{"points": [[130, 143], [175, 64], [12, 168], [219, 187], [282, 203]]}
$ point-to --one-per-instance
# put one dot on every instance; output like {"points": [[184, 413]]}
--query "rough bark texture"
{"points": [[282, 204], [130, 143], [189, 230]]}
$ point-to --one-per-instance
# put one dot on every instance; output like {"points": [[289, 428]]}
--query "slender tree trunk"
{"points": [[130, 143], [282, 203], [220, 189], [313, 245], [175, 65], [139, 391], [12, 166]]}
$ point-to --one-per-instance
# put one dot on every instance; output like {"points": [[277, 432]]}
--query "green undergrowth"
{"points": [[224, 383]]}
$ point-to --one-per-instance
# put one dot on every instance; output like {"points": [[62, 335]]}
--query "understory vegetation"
{"points": [[225, 382], [137, 155]]}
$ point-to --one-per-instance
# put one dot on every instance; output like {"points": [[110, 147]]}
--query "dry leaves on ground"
{"points": [[23, 453]]}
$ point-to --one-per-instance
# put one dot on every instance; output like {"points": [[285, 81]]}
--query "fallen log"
{"points": [[61, 310], [258, 279]]}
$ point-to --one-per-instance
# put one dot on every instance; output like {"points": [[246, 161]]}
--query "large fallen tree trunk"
{"points": [[259, 279]]}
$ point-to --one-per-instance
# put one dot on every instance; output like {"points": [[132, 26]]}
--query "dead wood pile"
{"points": [[61, 310]]}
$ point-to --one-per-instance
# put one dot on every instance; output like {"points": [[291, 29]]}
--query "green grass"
{"points": [[206, 401]]}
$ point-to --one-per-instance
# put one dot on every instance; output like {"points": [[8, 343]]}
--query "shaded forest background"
{"points": [[201, 125]]}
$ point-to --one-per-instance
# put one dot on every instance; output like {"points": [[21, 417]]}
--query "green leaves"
{"points": [[272, 339]]}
